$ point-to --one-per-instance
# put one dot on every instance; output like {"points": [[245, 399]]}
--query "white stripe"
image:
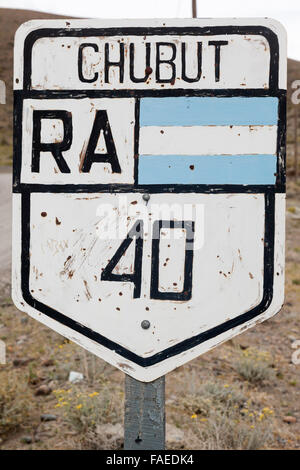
{"points": [[208, 140]]}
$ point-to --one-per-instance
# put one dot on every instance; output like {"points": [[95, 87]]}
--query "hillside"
{"points": [[11, 19]]}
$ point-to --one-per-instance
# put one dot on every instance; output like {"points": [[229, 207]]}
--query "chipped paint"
{"points": [[97, 289]]}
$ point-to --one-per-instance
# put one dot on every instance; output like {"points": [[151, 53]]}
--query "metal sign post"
{"points": [[144, 422]]}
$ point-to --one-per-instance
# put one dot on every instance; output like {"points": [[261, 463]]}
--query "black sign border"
{"points": [[268, 191]]}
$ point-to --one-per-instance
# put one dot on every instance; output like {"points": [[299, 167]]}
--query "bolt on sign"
{"points": [[149, 183]]}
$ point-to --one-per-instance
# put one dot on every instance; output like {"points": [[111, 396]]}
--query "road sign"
{"points": [[149, 183]]}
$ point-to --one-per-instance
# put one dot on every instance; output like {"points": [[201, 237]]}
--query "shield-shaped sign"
{"points": [[149, 183]]}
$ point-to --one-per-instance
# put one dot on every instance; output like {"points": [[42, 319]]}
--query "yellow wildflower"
{"points": [[267, 411], [194, 416], [78, 407]]}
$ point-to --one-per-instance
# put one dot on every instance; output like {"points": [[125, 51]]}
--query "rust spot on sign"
{"points": [[82, 156], [122, 365], [87, 292]]}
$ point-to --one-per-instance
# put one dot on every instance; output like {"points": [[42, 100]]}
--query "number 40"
{"points": [[137, 233]]}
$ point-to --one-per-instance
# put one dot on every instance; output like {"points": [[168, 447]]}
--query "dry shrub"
{"points": [[255, 366], [221, 417], [84, 410], [15, 401], [225, 431]]}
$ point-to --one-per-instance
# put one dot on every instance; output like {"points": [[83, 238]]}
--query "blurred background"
{"points": [[242, 395]]}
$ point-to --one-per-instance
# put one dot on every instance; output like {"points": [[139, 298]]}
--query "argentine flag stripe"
{"points": [[209, 111], [208, 140], [207, 169]]}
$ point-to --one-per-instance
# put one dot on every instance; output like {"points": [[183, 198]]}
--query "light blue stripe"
{"points": [[207, 169], [206, 111]]}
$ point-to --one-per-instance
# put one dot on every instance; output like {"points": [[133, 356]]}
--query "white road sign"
{"points": [[149, 183]]}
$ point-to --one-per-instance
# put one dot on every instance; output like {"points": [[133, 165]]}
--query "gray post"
{"points": [[144, 426]]}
